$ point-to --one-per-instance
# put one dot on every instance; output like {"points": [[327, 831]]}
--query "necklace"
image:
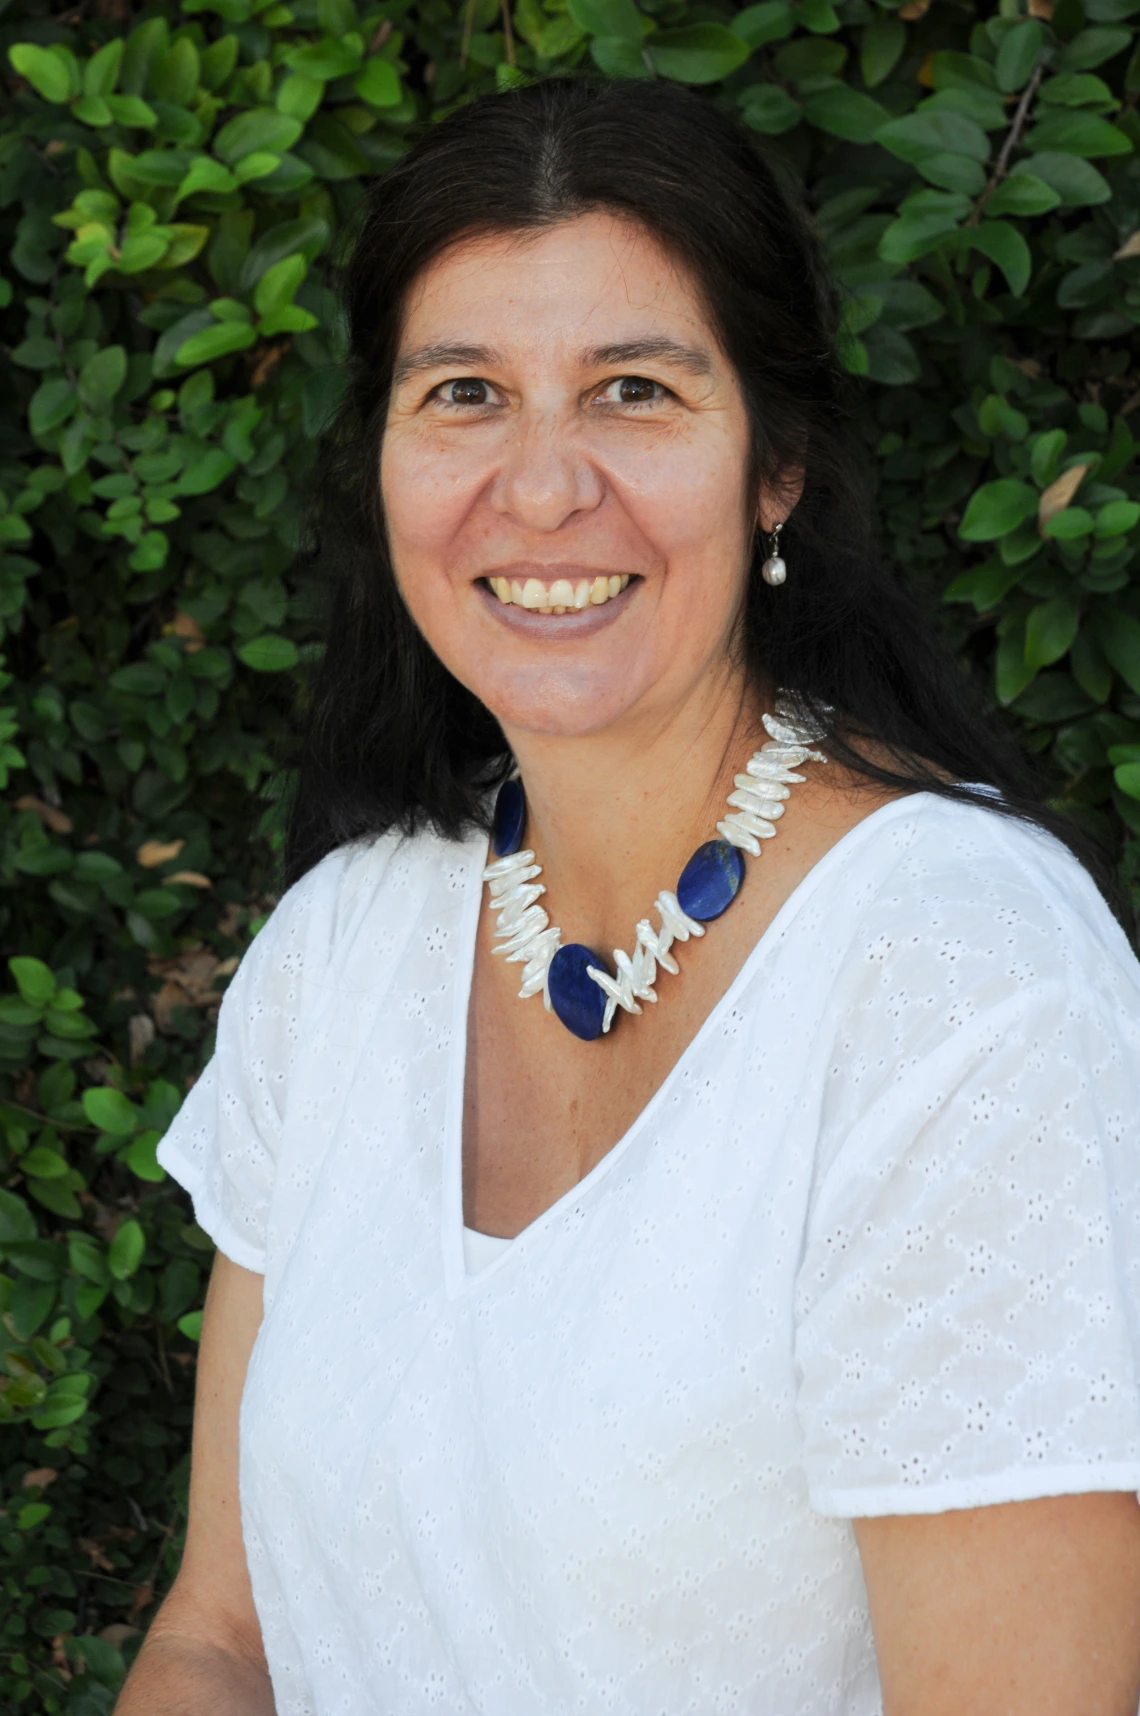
{"points": [[573, 980]]}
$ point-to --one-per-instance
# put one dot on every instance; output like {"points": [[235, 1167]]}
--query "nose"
{"points": [[544, 478]]}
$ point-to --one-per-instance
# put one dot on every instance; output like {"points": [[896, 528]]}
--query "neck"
{"points": [[614, 816]]}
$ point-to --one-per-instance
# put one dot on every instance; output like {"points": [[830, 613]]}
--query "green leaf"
{"points": [[1050, 630], [34, 979], [845, 113], [997, 508], [697, 53], [1018, 53], [1119, 638], [809, 57], [378, 84], [125, 1252], [1127, 778], [609, 18], [208, 469], [1076, 133], [300, 96], [162, 166], [984, 106], [1078, 89], [880, 47], [17, 1223], [306, 238], [325, 60], [1090, 48], [261, 130], [769, 22], [912, 236], [214, 342], [101, 72], [953, 172], [102, 376], [617, 57], [141, 1158], [191, 1325], [951, 70], [1022, 194], [1012, 673], [51, 404], [129, 110], [47, 74], [1068, 524], [769, 109], [208, 176], [891, 358], [921, 134], [1117, 517], [1004, 245], [109, 1110], [1076, 182], [269, 653], [278, 285]]}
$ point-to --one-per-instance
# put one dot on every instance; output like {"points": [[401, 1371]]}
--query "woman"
{"points": [[772, 1349]]}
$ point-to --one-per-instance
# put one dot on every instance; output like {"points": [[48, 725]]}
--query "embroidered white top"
{"points": [[873, 1247]]}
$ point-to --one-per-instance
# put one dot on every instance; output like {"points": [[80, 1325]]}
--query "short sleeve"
{"points": [[967, 1304], [222, 1146]]}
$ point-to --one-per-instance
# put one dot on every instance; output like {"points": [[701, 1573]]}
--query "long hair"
{"points": [[392, 739]]}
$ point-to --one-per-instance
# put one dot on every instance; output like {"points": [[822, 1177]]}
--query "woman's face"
{"points": [[565, 477]]}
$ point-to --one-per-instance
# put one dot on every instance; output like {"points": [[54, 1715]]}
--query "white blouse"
{"points": [[872, 1248]]}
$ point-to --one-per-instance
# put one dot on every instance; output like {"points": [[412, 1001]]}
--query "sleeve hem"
{"points": [[1021, 1484], [207, 1214]]}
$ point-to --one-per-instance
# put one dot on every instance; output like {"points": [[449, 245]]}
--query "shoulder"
{"points": [[963, 882], [353, 909], [960, 924]]}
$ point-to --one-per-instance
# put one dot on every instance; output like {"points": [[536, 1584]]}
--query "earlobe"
{"points": [[779, 501]]}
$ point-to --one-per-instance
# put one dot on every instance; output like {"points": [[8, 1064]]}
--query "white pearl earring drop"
{"points": [[774, 570]]}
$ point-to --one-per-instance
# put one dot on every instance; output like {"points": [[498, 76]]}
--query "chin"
{"points": [[558, 706]]}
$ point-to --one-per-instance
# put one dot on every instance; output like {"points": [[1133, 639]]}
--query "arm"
{"points": [[1024, 1609], [203, 1654]]}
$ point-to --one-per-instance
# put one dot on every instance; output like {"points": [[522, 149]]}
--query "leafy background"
{"points": [[173, 181]]}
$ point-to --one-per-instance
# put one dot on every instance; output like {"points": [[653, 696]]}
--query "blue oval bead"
{"points": [[711, 880], [509, 819], [579, 1002]]}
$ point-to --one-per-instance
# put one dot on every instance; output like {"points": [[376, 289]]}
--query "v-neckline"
{"points": [[457, 1281]]}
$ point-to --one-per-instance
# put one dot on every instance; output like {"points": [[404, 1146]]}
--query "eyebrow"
{"points": [[442, 357], [691, 358], [446, 355]]}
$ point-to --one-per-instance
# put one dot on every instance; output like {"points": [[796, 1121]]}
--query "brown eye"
{"points": [[467, 392], [635, 390]]}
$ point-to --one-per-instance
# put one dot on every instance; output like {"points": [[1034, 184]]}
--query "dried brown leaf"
{"points": [[192, 878], [39, 1478], [1057, 496], [186, 627], [154, 852], [57, 820]]}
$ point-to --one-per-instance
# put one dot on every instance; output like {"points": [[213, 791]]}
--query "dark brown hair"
{"points": [[392, 738]]}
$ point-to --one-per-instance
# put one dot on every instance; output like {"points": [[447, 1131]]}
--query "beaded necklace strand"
{"points": [[574, 981]]}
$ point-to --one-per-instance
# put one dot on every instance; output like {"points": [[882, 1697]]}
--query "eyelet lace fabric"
{"points": [[873, 1247]]}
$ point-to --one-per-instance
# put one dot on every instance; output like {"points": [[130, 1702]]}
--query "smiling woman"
{"points": [[774, 1349]]}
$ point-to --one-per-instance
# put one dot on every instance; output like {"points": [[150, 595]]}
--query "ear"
{"points": [[780, 498]]}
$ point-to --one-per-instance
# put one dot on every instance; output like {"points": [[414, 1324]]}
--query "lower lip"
{"points": [[578, 622]]}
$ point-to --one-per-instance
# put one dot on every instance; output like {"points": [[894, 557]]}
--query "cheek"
{"points": [[689, 499], [426, 492]]}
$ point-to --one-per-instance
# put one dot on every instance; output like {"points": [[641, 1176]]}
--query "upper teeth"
{"points": [[561, 597]]}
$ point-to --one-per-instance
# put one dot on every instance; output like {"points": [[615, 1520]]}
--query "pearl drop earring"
{"points": [[774, 570]]}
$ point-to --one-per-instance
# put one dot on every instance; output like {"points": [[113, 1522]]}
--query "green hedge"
{"points": [[172, 185]]}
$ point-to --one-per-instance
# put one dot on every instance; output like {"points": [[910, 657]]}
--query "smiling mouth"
{"points": [[561, 597]]}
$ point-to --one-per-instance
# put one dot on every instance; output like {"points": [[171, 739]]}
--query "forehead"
{"points": [[597, 276]]}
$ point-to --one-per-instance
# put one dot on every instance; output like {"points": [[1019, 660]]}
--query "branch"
{"points": [[1020, 116]]}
